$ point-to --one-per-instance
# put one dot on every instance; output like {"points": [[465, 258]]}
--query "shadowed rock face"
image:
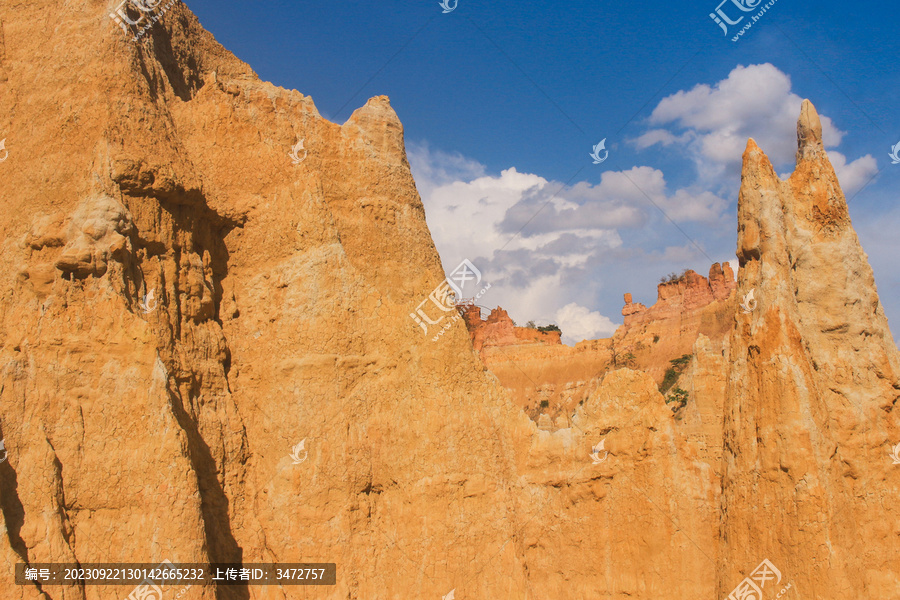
{"points": [[138, 431]]}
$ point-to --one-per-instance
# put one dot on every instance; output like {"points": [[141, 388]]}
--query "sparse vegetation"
{"points": [[681, 363], [673, 277], [655, 338], [545, 403], [628, 359], [677, 399], [530, 325], [674, 372], [547, 328]]}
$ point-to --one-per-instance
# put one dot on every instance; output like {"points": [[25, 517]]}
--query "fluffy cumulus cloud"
{"points": [[435, 168], [713, 122], [855, 175], [537, 240], [579, 323]]}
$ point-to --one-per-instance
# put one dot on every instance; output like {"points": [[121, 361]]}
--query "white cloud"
{"points": [[660, 136], [622, 199], [855, 175], [543, 245], [579, 323], [434, 167], [533, 238], [716, 121]]}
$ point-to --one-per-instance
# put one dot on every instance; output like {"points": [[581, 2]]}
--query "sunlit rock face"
{"points": [[183, 303], [811, 400]]}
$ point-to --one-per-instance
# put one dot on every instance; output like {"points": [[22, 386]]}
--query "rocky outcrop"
{"points": [[498, 330], [677, 298], [631, 308], [549, 379], [545, 378], [141, 430], [686, 307]]}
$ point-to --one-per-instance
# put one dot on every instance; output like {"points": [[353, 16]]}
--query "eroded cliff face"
{"points": [[155, 175], [499, 330], [543, 377], [182, 305], [685, 308]]}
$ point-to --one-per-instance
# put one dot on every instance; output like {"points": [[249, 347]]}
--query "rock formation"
{"points": [[547, 378], [140, 429], [811, 407], [182, 303], [681, 296], [542, 376], [686, 307], [499, 330]]}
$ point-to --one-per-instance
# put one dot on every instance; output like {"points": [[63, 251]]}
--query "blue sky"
{"points": [[502, 102]]}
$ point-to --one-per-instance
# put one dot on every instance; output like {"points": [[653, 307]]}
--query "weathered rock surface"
{"points": [[283, 297], [685, 308], [811, 407], [545, 377], [498, 330], [139, 431]]}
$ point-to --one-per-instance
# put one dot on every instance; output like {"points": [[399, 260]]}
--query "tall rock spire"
{"points": [[811, 403]]}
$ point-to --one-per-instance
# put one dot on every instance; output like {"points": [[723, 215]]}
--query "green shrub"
{"points": [[681, 363], [668, 381], [673, 277], [545, 403], [548, 328], [674, 372]]}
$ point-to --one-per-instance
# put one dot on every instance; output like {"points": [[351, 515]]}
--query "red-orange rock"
{"points": [[499, 330], [545, 377]]}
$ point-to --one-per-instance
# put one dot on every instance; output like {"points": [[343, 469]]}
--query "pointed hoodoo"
{"points": [[809, 132], [811, 400]]}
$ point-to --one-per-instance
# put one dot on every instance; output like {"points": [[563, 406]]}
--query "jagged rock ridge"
{"points": [[549, 379]]}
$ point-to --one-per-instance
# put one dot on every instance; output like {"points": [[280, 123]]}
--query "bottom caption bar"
{"points": [[168, 573]]}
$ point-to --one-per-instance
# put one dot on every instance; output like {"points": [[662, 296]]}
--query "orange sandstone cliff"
{"points": [[812, 392], [689, 306], [182, 305]]}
